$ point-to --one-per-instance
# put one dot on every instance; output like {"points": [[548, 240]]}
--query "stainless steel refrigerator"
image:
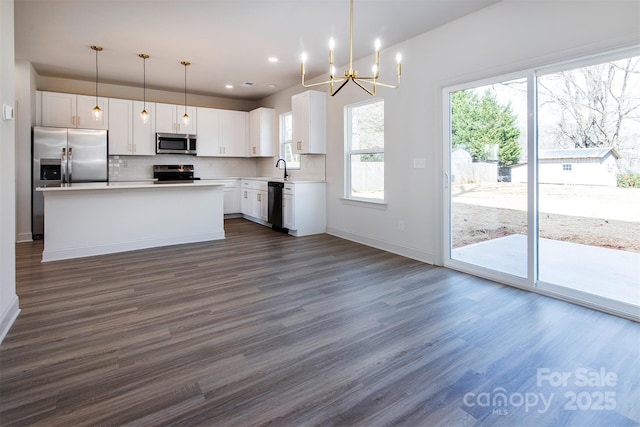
{"points": [[64, 156]]}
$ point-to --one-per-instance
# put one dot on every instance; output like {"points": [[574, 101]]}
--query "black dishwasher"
{"points": [[275, 203]]}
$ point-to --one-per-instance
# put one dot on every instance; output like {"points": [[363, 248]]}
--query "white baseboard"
{"points": [[8, 317], [24, 237], [405, 251], [68, 253]]}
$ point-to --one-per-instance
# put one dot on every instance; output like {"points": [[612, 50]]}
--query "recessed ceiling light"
{"points": [[229, 86], [272, 85], [273, 59]]}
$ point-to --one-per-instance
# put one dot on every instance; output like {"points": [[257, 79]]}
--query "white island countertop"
{"points": [[121, 185], [96, 218]]}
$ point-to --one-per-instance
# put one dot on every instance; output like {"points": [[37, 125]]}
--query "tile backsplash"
{"points": [[132, 168]]}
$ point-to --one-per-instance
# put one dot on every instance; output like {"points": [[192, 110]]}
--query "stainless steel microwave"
{"points": [[172, 143]]}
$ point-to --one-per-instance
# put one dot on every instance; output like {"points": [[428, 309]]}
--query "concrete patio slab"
{"points": [[609, 273]]}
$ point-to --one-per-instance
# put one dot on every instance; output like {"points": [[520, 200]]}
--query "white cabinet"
{"points": [[261, 123], [208, 132], [263, 200], [120, 126], [144, 134], [73, 111], [233, 133], [254, 200], [231, 196], [222, 133], [288, 207], [309, 112], [169, 119], [128, 135], [304, 208]]}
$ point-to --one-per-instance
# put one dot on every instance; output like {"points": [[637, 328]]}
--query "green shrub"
{"points": [[629, 180]]}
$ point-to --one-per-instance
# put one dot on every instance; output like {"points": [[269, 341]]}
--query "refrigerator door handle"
{"points": [[63, 166], [70, 164]]}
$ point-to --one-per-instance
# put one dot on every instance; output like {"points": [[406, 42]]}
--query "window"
{"points": [[365, 151], [286, 142], [566, 167]]}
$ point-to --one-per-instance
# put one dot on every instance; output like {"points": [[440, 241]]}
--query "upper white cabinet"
{"points": [[309, 111], [222, 133], [261, 123], [128, 135], [169, 119], [73, 111], [120, 126], [144, 134], [209, 132], [233, 133]]}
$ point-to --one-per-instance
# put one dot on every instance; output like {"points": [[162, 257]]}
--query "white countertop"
{"points": [[271, 178], [121, 185]]}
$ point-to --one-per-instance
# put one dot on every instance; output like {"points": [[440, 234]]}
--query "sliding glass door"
{"points": [[488, 210], [543, 180]]}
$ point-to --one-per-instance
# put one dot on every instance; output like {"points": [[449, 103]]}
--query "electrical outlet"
{"points": [[401, 225]]}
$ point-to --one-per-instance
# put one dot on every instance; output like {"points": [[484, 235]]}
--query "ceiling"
{"points": [[227, 42]]}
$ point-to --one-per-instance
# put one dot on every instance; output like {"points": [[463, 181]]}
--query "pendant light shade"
{"points": [[144, 114], [185, 119], [97, 111]]}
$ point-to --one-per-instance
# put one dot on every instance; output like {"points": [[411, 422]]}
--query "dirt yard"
{"points": [[597, 216]]}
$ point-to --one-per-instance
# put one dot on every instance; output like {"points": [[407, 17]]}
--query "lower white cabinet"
{"points": [[288, 210], [254, 200], [231, 193], [304, 208]]}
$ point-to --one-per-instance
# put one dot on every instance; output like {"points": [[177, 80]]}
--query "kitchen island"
{"points": [[87, 219]]}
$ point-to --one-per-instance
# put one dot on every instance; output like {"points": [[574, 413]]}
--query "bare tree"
{"points": [[593, 103]]}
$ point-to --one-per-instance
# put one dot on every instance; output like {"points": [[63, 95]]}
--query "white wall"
{"points": [[8, 299], [25, 80], [506, 37]]}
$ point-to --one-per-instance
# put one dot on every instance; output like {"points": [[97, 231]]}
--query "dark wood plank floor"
{"points": [[266, 329]]}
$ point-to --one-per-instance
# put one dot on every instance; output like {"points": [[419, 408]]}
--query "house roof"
{"points": [[577, 153]]}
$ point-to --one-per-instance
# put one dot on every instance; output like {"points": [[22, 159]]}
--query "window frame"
{"points": [[348, 152]]}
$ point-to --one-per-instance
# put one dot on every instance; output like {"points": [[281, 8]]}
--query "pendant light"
{"points": [[144, 115], [185, 119], [97, 112]]}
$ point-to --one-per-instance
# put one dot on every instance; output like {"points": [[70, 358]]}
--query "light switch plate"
{"points": [[419, 163], [7, 112]]}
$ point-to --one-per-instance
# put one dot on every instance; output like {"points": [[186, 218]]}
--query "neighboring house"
{"points": [[582, 166]]}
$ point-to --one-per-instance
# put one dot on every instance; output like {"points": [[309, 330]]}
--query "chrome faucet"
{"points": [[285, 167]]}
